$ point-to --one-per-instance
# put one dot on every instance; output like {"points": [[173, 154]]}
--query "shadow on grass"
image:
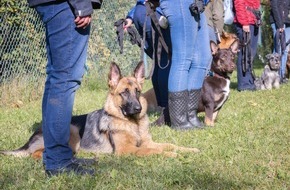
{"points": [[158, 175]]}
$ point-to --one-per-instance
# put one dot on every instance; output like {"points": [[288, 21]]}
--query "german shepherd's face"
{"points": [[125, 92]]}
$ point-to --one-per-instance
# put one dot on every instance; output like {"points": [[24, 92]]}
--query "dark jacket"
{"points": [[81, 7], [279, 12]]}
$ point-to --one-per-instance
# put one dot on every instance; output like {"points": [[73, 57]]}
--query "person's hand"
{"points": [[83, 22], [246, 28], [128, 23]]}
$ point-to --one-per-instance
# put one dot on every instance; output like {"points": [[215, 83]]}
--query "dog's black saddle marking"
{"points": [[95, 131]]}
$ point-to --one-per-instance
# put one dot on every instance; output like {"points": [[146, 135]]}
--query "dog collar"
{"points": [[210, 73]]}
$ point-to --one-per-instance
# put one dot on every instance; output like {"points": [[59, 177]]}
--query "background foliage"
{"points": [[22, 52]]}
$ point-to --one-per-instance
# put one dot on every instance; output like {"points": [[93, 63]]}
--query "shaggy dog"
{"points": [[270, 77]]}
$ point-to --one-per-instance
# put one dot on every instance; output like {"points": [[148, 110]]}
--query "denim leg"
{"points": [[284, 56], [187, 65], [66, 51], [246, 80], [160, 75], [212, 37], [139, 20], [202, 56]]}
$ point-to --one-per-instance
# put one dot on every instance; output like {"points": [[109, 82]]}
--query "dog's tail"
{"points": [[34, 147]]}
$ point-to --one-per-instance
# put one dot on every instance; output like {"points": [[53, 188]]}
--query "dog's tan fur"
{"points": [[112, 129], [227, 40]]}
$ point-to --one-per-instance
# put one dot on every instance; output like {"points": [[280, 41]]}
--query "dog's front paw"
{"points": [[170, 154], [194, 150]]}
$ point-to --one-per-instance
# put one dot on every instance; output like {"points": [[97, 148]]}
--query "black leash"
{"points": [[155, 27], [247, 62], [133, 34]]}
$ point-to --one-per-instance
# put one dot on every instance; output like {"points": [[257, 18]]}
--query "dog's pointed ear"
{"points": [[235, 46], [139, 72], [214, 48], [278, 55], [114, 75], [268, 56]]}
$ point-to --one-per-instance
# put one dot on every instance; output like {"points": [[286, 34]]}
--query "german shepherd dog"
{"points": [[216, 86], [121, 127]]}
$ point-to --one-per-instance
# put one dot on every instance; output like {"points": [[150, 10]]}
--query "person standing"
{"points": [[246, 23], [137, 15], [214, 12], [280, 22], [67, 27], [190, 58]]}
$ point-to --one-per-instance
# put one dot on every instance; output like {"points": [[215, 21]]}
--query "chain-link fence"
{"points": [[23, 54]]}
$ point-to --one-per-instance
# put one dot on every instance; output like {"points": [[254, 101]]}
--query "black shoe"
{"points": [[84, 161], [247, 89], [71, 168], [284, 81]]}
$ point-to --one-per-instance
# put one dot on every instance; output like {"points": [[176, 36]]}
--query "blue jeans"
{"points": [[66, 52], [190, 46], [284, 55], [160, 75], [212, 37], [246, 80]]}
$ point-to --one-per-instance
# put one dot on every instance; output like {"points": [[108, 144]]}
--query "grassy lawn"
{"points": [[249, 148]]}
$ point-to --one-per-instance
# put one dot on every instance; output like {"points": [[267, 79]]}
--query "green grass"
{"points": [[249, 148]]}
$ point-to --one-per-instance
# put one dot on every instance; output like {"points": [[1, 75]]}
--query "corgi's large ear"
{"points": [[214, 48], [139, 73], [114, 75], [235, 46]]}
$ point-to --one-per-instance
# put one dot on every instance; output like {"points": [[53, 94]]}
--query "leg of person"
{"points": [[283, 78], [245, 79], [160, 79], [139, 20], [160, 76], [212, 37], [183, 33], [201, 61], [66, 50]]}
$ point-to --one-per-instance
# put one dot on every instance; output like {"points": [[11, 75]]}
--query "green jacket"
{"points": [[214, 12]]}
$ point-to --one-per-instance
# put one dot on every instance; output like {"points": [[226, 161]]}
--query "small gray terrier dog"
{"points": [[270, 77]]}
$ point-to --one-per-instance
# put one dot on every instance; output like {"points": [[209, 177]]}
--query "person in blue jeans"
{"points": [[190, 59], [67, 25], [160, 74], [280, 22]]}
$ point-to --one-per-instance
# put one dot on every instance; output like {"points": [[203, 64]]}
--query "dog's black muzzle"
{"points": [[131, 108]]}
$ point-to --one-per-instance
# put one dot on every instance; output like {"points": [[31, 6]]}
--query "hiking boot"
{"points": [[71, 168]]}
